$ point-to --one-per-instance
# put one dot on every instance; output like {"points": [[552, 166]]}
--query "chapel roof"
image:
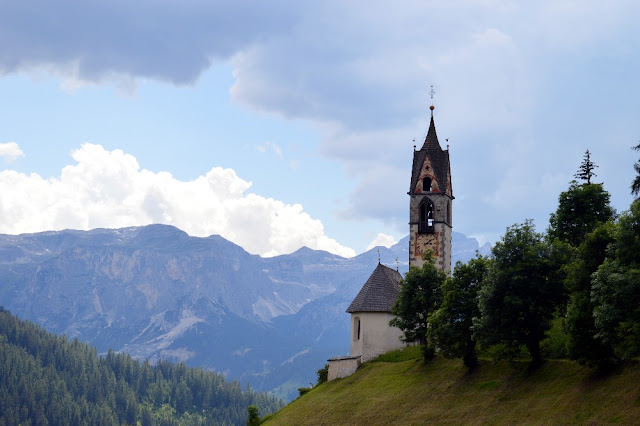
{"points": [[379, 293], [438, 157]]}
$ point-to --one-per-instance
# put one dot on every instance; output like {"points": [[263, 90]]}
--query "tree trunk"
{"points": [[536, 356]]}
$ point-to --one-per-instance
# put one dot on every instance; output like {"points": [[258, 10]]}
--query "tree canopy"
{"points": [[522, 290], [581, 209], [451, 324], [616, 288], [420, 295]]}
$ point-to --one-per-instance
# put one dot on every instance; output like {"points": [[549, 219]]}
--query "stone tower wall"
{"points": [[439, 242]]}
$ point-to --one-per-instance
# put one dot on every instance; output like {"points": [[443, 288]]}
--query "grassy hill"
{"points": [[399, 389]]}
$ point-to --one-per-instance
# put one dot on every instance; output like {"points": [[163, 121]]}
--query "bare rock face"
{"points": [[157, 293]]}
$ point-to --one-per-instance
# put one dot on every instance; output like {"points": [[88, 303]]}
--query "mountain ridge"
{"points": [[155, 292]]}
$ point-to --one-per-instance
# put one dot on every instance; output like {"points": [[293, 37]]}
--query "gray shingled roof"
{"points": [[379, 293], [439, 159]]}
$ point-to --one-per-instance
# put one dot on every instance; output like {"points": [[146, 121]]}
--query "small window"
{"points": [[426, 184], [356, 328]]}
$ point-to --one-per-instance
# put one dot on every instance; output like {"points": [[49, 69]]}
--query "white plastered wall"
{"points": [[376, 335]]}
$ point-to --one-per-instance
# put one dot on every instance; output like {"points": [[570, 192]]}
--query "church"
{"points": [[430, 226]]}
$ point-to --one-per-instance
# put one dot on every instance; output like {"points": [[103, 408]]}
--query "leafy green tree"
{"points": [[323, 374], [522, 290], [253, 418], [616, 288], [420, 295], [583, 344], [451, 325], [581, 209], [635, 185]]}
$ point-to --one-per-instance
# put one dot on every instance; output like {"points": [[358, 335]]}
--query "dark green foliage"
{"points": [[451, 325], [420, 295], [46, 379], [556, 344], [253, 417], [616, 288], [583, 345], [635, 185], [581, 209], [323, 374], [521, 292], [303, 391], [585, 172]]}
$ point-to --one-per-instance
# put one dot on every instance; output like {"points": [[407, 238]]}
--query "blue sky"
{"points": [[292, 123]]}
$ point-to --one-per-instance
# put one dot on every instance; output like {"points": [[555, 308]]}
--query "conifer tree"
{"points": [[585, 172], [635, 185]]}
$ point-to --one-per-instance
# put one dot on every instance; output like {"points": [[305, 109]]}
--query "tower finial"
{"points": [[378, 255], [397, 265]]}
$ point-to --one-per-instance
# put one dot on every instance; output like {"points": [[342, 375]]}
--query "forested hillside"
{"points": [[47, 379]]}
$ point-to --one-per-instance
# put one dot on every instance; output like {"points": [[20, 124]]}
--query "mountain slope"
{"points": [[443, 392], [46, 379], [157, 293]]}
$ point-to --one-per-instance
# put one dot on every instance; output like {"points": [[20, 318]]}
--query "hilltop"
{"points": [[406, 391]]}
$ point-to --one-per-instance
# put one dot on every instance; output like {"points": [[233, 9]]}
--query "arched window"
{"points": [[449, 212], [356, 328], [426, 184], [425, 224]]}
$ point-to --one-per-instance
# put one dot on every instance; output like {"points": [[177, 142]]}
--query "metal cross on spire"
{"points": [[431, 93]]}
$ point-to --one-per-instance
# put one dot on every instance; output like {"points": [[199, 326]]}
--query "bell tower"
{"points": [[430, 204]]}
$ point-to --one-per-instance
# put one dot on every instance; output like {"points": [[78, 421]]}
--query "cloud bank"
{"points": [[523, 88], [109, 189]]}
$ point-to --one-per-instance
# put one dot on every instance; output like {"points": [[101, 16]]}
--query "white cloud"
{"points": [[383, 240], [10, 151], [109, 189]]}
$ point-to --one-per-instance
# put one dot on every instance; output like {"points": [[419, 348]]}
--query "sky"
{"points": [[284, 124]]}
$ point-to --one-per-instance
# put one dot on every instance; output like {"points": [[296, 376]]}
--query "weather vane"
{"points": [[378, 254], [397, 265], [431, 93]]}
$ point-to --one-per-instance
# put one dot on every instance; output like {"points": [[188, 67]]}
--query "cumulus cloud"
{"points": [[109, 189], [10, 151], [383, 240]]}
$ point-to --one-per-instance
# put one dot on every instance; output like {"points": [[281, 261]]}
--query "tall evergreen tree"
{"points": [[585, 172], [635, 185]]}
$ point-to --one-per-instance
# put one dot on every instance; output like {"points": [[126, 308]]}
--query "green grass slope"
{"points": [[404, 391]]}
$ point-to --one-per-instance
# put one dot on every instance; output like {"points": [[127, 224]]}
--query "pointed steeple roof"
{"points": [[379, 293], [431, 141], [438, 158]]}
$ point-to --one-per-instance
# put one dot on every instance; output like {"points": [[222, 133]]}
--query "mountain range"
{"points": [[157, 293]]}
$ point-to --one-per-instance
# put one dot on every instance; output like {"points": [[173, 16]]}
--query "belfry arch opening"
{"points": [[425, 224]]}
